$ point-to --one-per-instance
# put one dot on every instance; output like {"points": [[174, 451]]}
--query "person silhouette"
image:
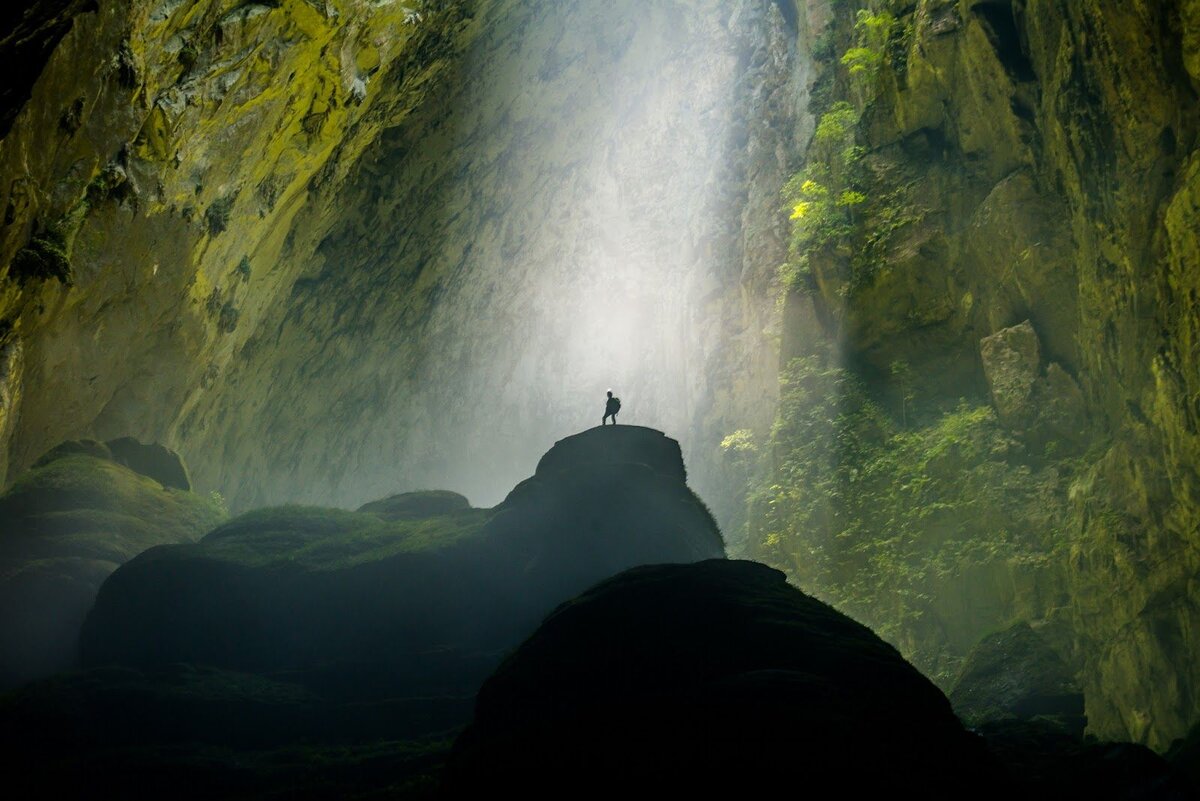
{"points": [[610, 409]]}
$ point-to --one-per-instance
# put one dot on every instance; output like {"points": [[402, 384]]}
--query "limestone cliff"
{"points": [[1000, 206]]}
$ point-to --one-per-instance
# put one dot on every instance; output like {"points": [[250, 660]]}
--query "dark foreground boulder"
{"points": [[1015, 675], [407, 577], [712, 677], [191, 732], [1049, 763], [64, 527]]}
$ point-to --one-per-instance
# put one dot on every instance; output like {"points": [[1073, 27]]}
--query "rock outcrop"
{"points": [[712, 677], [1015, 675], [64, 527], [413, 581]]}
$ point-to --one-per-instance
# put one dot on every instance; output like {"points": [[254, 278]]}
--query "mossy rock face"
{"points": [[712, 676], [64, 527], [294, 587], [1015, 674], [1034, 162]]}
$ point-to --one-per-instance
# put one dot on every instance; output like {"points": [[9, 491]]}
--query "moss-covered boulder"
{"points": [[417, 504], [421, 582], [1015, 674], [64, 527], [716, 676]]}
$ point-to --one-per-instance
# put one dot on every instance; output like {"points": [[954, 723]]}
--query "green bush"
{"points": [[45, 257]]}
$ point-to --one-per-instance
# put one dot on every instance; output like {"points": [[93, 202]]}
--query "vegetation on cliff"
{"points": [[996, 423]]}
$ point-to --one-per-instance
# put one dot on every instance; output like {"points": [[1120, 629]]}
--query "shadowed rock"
{"points": [[153, 461], [159, 463], [715, 676], [1015, 674]]}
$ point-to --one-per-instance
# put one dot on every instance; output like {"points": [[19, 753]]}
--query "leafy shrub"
{"points": [[45, 257], [218, 214]]}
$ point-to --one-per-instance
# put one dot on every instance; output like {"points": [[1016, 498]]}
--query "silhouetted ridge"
{"points": [[302, 588]]}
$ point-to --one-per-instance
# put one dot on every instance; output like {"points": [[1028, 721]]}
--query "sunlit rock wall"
{"points": [[164, 154]]}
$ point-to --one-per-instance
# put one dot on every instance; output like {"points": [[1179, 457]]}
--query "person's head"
{"points": [[610, 393]]}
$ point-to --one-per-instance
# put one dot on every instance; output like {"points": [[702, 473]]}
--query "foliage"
{"points": [[739, 442], [218, 214], [45, 257], [834, 204], [217, 501], [879, 520]]}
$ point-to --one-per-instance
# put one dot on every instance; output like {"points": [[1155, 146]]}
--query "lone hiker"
{"points": [[610, 409]]}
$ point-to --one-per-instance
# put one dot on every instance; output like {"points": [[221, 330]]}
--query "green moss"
{"points": [[81, 505], [318, 538]]}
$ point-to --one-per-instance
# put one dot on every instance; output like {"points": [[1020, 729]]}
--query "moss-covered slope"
{"points": [[64, 527], [294, 588]]}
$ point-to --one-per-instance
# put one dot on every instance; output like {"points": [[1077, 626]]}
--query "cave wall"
{"points": [[330, 250], [1020, 161]]}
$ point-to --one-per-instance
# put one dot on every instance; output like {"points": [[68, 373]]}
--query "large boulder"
{"points": [[1043, 406], [64, 527], [417, 504], [1012, 361], [420, 582], [153, 461], [712, 677], [1015, 675]]}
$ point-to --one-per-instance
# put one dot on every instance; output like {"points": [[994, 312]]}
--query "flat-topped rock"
{"points": [[616, 445]]}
